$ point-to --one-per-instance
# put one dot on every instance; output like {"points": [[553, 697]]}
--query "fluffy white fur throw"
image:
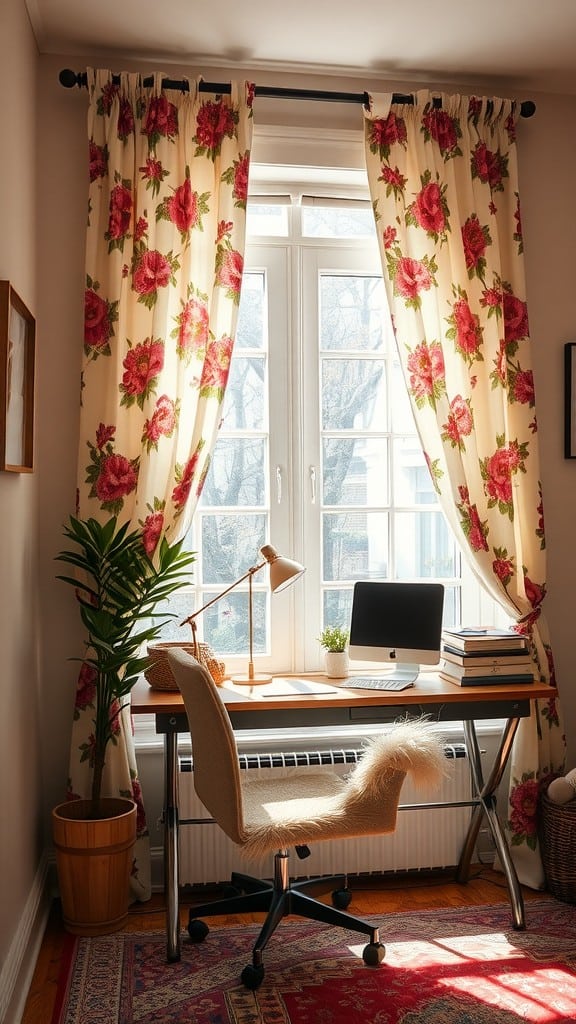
{"points": [[312, 806], [410, 747]]}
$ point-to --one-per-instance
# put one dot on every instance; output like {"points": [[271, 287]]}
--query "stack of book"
{"points": [[482, 657]]}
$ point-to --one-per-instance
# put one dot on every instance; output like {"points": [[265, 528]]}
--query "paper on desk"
{"points": [[295, 688]]}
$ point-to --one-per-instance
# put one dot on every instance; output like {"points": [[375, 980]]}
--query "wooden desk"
{"points": [[340, 705]]}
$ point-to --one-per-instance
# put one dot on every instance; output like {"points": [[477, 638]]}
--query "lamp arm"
{"points": [[250, 629], [237, 583]]}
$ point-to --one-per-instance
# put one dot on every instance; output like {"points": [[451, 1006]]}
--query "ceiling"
{"points": [[521, 43]]}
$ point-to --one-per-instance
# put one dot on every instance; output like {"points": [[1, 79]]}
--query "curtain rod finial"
{"points": [[527, 108], [68, 78]]}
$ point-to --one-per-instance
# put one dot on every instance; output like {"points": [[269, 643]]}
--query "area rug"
{"points": [[456, 966]]}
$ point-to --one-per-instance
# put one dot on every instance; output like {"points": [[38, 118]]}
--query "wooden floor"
{"points": [[417, 891]]}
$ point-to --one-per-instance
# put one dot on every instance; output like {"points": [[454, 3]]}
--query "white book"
{"points": [[521, 667], [478, 639]]}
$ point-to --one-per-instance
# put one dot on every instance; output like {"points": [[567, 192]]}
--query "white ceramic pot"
{"points": [[336, 663]]}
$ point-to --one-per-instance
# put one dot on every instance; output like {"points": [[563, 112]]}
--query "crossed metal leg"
{"points": [[486, 793]]}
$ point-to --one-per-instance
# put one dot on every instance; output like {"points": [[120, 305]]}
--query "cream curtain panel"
{"points": [[445, 193], [164, 261]]}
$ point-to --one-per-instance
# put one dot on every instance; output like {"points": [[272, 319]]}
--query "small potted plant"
{"points": [[334, 640], [117, 586]]}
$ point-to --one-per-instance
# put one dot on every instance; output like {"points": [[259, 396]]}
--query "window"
{"points": [[318, 452]]}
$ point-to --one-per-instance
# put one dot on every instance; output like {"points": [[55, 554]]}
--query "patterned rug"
{"points": [[457, 966]]}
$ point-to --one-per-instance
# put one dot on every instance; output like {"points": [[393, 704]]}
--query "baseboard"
{"points": [[18, 968]]}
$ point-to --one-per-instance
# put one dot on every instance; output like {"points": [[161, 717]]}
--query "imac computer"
{"points": [[398, 624]]}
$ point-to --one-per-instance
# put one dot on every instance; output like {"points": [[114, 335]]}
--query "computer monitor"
{"points": [[397, 623]]}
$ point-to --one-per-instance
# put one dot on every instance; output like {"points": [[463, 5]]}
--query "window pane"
{"points": [[402, 415], [226, 623], [424, 546], [355, 471], [412, 480], [451, 611], [245, 401], [250, 331], [262, 219], [355, 545], [338, 222], [230, 545], [352, 312], [236, 474], [337, 607], [353, 394], [178, 606]]}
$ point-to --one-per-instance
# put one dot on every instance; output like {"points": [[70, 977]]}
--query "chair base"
{"points": [[277, 900]]}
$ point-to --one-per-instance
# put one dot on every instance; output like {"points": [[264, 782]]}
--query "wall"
{"points": [[547, 151], [40, 633], [22, 700]]}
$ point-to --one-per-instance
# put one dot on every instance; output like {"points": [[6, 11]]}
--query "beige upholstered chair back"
{"points": [[214, 752]]}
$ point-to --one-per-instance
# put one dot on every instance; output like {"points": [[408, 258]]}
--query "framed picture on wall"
{"points": [[570, 400], [17, 360]]}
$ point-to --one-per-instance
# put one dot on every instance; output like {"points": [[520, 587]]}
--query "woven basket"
{"points": [[159, 673], [557, 834]]}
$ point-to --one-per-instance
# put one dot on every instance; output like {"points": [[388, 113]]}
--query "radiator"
{"points": [[424, 837]]}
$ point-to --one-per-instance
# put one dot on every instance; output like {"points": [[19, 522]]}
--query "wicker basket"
{"points": [[557, 833], [159, 673]]}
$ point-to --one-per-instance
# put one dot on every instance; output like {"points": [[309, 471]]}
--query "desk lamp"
{"points": [[283, 572]]}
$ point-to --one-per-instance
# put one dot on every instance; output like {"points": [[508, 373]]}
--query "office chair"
{"points": [[261, 816]]}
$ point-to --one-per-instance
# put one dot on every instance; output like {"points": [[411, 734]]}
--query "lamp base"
{"points": [[259, 679]]}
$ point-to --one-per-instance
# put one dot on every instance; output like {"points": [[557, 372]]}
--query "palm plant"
{"points": [[117, 586]]}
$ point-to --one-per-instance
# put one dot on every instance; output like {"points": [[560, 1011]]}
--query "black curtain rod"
{"points": [[70, 78]]}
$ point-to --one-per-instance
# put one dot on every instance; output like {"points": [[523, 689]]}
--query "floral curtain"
{"points": [[164, 258], [444, 185]]}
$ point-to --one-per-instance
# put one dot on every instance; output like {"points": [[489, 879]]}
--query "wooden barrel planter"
{"points": [[94, 859]]}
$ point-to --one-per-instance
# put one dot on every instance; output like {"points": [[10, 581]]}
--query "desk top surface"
{"points": [[429, 689]]}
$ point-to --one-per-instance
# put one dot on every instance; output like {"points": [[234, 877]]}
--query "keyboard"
{"points": [[381, 682]]}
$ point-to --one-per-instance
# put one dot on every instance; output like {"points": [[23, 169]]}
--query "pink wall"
{"points": [[21, 793]]}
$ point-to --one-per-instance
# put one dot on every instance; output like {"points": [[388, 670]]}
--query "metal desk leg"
{"points": [[487, 805], [171, 846]]}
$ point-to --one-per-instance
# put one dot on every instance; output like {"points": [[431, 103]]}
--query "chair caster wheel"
{"points": [[373, 954], [252, 977], [197, 930], [341, 898]]}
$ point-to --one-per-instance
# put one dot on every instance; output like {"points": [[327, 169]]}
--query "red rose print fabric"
{"points": [[444, 186], [168, 186]]}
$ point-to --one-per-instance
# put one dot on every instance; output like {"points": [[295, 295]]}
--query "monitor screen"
{"points": [[400, 623]]}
